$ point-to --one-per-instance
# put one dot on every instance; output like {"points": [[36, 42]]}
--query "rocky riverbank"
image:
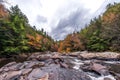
{"points": [[57, 66], [96, 55]]}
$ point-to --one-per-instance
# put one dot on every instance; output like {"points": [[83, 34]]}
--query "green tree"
{"points": [[14, 39]]}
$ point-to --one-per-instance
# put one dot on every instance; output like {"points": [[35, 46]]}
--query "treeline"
{"points": [[17, 36], [102, 34]]}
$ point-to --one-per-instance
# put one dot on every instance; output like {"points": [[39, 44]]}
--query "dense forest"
{"points": [[18, 36], [102, 34]]}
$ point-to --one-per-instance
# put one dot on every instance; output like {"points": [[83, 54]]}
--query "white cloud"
{"points": [[93, 5], [53, 11]]}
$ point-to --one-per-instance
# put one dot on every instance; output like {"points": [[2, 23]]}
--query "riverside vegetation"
{"points": [[18, 36]]}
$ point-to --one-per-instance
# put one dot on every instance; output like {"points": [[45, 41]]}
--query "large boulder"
{"points": [[95, 67]]}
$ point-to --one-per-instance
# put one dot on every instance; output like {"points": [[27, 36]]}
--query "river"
{"points": [[115, 65], [72, 61]]}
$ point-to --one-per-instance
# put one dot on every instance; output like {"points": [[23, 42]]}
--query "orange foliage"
{"points": [[108, 18], [3, 12], [71, 43], [68, 50], [34, 41], [60, 49]]}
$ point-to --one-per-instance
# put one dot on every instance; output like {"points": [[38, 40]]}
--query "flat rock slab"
{"points": [[100, 56], [11, 75], [31, 70]]}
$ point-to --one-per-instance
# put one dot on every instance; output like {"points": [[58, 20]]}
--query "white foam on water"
{"points": [[78, 63], [112, 62], [102, 77]]}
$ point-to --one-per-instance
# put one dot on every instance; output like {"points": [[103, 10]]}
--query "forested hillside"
{"points": [[18, 36], [102, 34]]}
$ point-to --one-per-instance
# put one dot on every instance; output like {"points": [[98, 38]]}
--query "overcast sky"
{"points": [[61, 17]]}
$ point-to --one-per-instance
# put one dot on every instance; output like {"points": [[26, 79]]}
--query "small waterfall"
{"points": [[77, 63]]}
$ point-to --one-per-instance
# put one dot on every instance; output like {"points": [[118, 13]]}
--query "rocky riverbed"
{"points": [[57, 66]]}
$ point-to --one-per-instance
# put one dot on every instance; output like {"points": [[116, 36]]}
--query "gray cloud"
{"points": [[41, 19], [3, 1], [74, 22], [60, 19]]}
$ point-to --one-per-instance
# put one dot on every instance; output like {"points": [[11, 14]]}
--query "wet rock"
{"points": [[43, 57], [37, 74], [101, 56], [98, 68], [11, 67], [107, 79], [81, 57], [10, 64], [58, 73], [54, 66], [68, 74], [30, 64], [64, 65], [26, 71], [84, 52], [49, 61], [2, 76], [21, 78], [74, 54], [39, 56], [56, 56], [12, 75], [15, 66], [116, 75], [45, 77], [115, 68], [49, 72], [5, 68]]}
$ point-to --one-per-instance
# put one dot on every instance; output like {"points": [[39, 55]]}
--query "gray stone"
{"points": [[12, 67], [107, 78], [26, 71], [95, 67], [36, 74], [15, 66], [10, 64], [12, 75], [34, 64]]}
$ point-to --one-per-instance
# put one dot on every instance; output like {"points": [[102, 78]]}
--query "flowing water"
{"points": [[76, 63], [93, 76]]}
